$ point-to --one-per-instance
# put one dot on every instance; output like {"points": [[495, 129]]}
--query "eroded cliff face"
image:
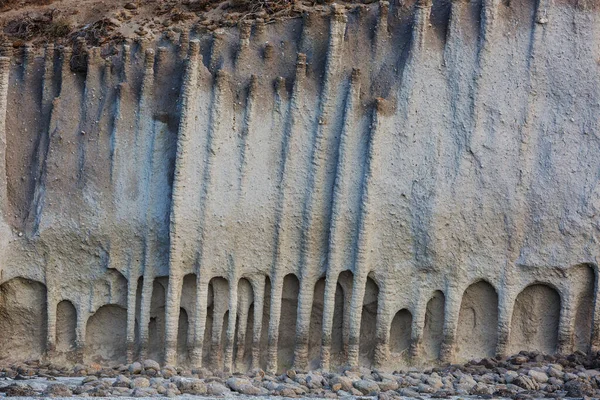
{"points": [[402, 185]]}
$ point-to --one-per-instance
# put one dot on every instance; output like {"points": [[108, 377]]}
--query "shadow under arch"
{"points": [[433, 331], [106, 336], [23, 319], [368, 323], [535, 319], [477, 332], [66, 325]]}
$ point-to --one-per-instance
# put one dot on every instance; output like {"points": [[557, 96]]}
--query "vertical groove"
{"points": [[44, 140], [146, 128], [345, 169], [216, 56], [244, 44], [294, 114], [364, 247], [381, 30], [420, 26], [176, 261], [320, 188]]}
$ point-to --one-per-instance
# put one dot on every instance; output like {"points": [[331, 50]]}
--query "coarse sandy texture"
{"points": [[271, 194]]}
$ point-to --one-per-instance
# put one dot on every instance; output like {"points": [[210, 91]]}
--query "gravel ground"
{"points": [[523, 376]]}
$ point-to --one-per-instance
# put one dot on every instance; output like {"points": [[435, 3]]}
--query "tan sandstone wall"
{"points": [[404, 184]]}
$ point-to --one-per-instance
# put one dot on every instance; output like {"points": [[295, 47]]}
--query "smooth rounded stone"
{"points": [[291, 374], [425, 388], [538, 376], [510, 376], [285, 392], [168, 372], [79, 369], [18, 389], [434, 381], [366, 387], [489, 379], [192, 386], [465, 383], [244, 386], [578, 388], [554, 372], [569, 376], [151, 365], [408, 392], [387, 385], [135, 368], [589, 373], [411, 381], [555, 381], [388, 395], [38, 386], [89, 378], [139, 383], [508, 390], [344, 383], [144, 392], [98, 392], [315, 380], [482, 389], [216, 389], [121, 391], [270, 385], [122, 381], [158, 381]]}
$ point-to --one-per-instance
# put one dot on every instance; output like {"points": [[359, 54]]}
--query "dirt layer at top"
{"points": [[112, 21]]}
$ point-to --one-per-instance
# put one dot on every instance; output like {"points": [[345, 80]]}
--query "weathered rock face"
{"points": [[405, 184]]}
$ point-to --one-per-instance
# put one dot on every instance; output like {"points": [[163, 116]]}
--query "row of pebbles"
{"points": [[523, 376]]}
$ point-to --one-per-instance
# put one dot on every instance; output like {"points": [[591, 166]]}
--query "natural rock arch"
{"points": [[368, 322], [433, 330], [23, 319], [400, 334], [287, 323], [66, 325], [535, 320], [106, 334], [477, 333]]}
